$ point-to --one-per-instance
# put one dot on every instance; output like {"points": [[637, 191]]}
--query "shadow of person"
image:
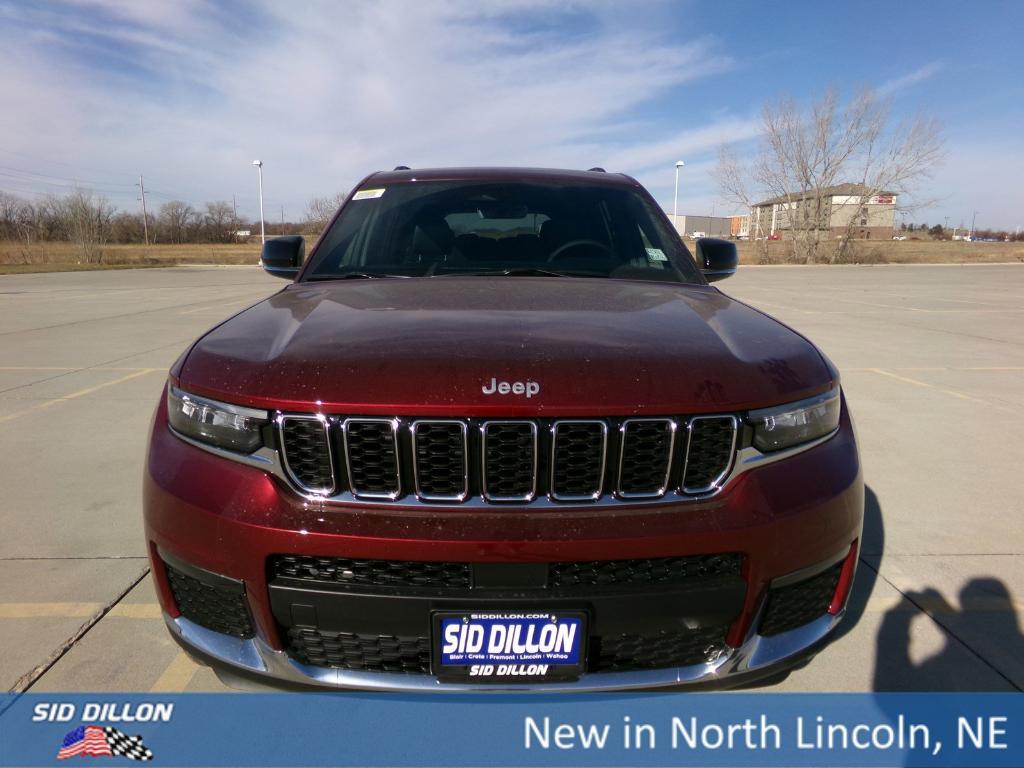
{"points": [[986, 611]]}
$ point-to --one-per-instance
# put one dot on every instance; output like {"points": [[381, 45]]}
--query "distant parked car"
{"points": [[698, 235]]}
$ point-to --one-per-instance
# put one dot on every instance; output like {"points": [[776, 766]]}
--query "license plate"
{"points": [[509, 646]]}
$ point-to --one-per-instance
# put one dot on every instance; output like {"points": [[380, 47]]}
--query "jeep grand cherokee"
{"points": [[500, 432]]}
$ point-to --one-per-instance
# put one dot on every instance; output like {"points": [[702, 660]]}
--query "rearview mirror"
{"points": [[283, 256], [716, 258]]}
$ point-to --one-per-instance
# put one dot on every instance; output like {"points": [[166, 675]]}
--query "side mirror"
{"points": [[283, 256], [716, 258]]}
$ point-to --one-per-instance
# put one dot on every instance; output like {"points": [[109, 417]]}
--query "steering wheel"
{"points": [[555, 254]]}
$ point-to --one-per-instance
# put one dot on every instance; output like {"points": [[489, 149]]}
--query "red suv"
{"points": [[500, 431]]}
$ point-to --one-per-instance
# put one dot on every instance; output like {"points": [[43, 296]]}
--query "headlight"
{"points": [[787, 425], [209, 421]]}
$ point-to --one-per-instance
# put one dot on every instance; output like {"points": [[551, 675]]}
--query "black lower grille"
{"points": [[376, 573], [360, 652], [411, 655], [709, 453], [220, 608], [581, 575], [657, 651], [600, 573], [797, 604]]}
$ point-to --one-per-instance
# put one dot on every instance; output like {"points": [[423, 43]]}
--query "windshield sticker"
{"points": [[656, 254], [368, 194]]}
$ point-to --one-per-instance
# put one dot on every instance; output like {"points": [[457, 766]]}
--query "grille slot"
{"points": [[220, 608], [376, 573], [578, 454], [509, 460], [307, 452], [440, 461], [360, 652], [711, 441], [797, 604], [601, 573], [646, 457], [371, 453]]}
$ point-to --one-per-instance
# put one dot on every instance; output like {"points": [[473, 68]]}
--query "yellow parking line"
{"points": [[136, 610], [75, 395], [177, 676], [44, 610], [917, 383]]}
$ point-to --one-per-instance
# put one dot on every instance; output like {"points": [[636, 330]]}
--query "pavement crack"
{"points": [[26, 681]]}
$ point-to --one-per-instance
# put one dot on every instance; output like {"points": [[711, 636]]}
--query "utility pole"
{"points": [[234, 205], [145, 216], [974, 219], [282, 215]]}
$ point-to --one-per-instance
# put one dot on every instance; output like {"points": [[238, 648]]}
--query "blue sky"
{"points": [[189, 93]]}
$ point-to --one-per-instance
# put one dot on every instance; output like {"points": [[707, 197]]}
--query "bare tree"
{"points": [[175, 221], [319, 210], [803, 153], [219, 222], [86, 220]]}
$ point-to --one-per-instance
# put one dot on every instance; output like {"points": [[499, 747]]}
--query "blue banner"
{"points": [[374, 729]]}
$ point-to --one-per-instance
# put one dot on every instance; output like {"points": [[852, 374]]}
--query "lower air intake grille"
{"points": [[793, 606], [364, 653], [709, 452], [308, 453], [617, 653], [220, 608], [600, 573], [375, 573]]}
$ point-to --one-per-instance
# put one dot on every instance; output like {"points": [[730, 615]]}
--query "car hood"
{"points": [[433, 346]]}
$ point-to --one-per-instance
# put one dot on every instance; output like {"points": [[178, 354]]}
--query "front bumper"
{"points": [[793, 517]]}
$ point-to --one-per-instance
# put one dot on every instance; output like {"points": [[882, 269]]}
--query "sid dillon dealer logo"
{"points": [[98, 741]]}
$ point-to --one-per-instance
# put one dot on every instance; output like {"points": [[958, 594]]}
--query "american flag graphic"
{"points": [[97, 741]]}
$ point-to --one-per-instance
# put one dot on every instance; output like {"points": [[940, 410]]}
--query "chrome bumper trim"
{"points": [[254, 656]]}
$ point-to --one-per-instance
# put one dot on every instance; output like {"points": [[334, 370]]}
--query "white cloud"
{"points": [[325, 92], [919, 75]]}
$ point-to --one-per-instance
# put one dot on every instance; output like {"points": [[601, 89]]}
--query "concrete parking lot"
{"points": [[932, 359]]}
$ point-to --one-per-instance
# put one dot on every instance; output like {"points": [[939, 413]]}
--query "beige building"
{"points": [[704, 226], [872, 217]]}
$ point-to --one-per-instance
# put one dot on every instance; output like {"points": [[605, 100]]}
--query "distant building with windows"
{"points": [[872, 217], [701, 226]]}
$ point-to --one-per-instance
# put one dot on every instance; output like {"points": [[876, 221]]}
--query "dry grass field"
{"points": [[55, 257]]}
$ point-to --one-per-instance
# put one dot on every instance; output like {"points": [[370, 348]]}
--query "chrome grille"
{"points": [[371, 451], [525, 461], [646, 457], [439, 460], [578, 453], [307, 451], [509, 460], [711, 442]]}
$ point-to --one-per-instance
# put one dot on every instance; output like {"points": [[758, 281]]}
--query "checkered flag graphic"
{"points": [[127, 746]]}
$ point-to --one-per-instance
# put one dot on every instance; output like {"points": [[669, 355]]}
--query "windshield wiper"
{"points": [[354, 276]]}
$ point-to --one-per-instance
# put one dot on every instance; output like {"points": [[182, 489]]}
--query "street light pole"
{"points": [[263, 232], [675, 202]]}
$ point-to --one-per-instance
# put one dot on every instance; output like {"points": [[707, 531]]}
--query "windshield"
{"points": [[434, 229]]}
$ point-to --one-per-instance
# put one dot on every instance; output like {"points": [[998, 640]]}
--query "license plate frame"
{"points": [[483, 667]]}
